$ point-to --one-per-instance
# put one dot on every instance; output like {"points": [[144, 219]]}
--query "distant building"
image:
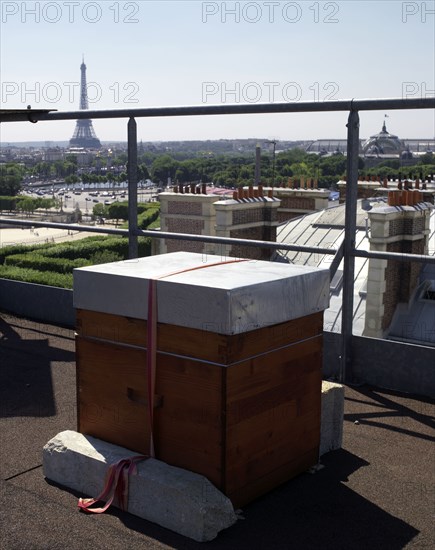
{"points": [[53, 154], [378, 147], [383, 143], [84, 134]]}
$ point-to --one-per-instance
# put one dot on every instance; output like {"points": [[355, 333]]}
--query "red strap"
{"points": [[116, 486], [151, 355]]}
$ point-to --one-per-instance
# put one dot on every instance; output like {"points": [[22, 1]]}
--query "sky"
{"points": [[149, 54]]}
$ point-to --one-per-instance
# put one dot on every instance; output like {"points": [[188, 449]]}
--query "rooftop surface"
{"points": [[376, 492], [326, 229]]}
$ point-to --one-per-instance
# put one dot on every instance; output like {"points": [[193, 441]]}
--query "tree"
{"points": [[333, 166], [117, 211], [11, 176], [100, 211], [27, 205], [142, 172], [302, 169], [163, 167], [70, 180]]}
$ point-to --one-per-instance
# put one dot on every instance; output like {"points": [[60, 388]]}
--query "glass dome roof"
{"points": [[383, 143]]}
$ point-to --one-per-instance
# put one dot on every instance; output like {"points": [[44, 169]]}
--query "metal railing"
{"points": [[347, 251]]}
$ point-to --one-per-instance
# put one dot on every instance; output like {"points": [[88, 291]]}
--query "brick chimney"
{"points": [[403, 227], [297, 202], [247, 217], [191, 213]]}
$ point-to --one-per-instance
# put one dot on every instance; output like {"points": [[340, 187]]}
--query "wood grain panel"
{"points": [[276, 367], [196, 343], [189, 425], [107, 409], [243, 410], [244, 495]]}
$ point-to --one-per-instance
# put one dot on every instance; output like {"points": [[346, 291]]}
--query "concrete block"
{"points": [[331, 431], [176, 499]]}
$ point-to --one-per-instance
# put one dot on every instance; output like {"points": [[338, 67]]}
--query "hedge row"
{"points": [[39, 262], [146, 218], [52, 264], [88, 248], [62, 280], [40, 248]]}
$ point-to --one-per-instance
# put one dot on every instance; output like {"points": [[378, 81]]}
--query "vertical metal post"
{"points": [[132, 188], [349, 243]]}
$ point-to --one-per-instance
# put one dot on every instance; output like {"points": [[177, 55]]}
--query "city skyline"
{"points": [[206, 53]]}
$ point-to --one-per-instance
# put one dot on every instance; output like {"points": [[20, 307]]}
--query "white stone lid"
{"points": [[230, 298]]}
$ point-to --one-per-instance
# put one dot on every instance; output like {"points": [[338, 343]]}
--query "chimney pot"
{"points": [[260, 190], [270, 193], [235, 195]]}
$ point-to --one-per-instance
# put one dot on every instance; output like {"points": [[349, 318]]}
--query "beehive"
{"points": [[238, 378]]}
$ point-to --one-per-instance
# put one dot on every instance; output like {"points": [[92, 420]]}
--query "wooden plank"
{"points": [[242, 346], [107, 409], [258, 487], [204, 460], [290, 364], [200, 344], [112, 328], [189, 425], [266, 452]]}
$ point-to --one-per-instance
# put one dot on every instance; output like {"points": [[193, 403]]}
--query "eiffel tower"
{"points": [[84, 134]]}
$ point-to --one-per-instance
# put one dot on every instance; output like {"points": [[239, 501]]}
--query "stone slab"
{"points": [[228, 299], [331, 430], [176, 499]]}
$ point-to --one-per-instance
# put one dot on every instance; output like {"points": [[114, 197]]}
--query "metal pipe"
{"points": [[349, 243], [223, 240], [398, 256], [177, 236], [336, 261], [257, 108], [71, 226], [132, 188]]}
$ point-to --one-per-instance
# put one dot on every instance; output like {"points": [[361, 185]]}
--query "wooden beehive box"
{"points": [[238, 381]]}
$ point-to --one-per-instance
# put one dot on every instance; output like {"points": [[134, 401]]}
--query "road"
{"points": [[86, 200]]}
